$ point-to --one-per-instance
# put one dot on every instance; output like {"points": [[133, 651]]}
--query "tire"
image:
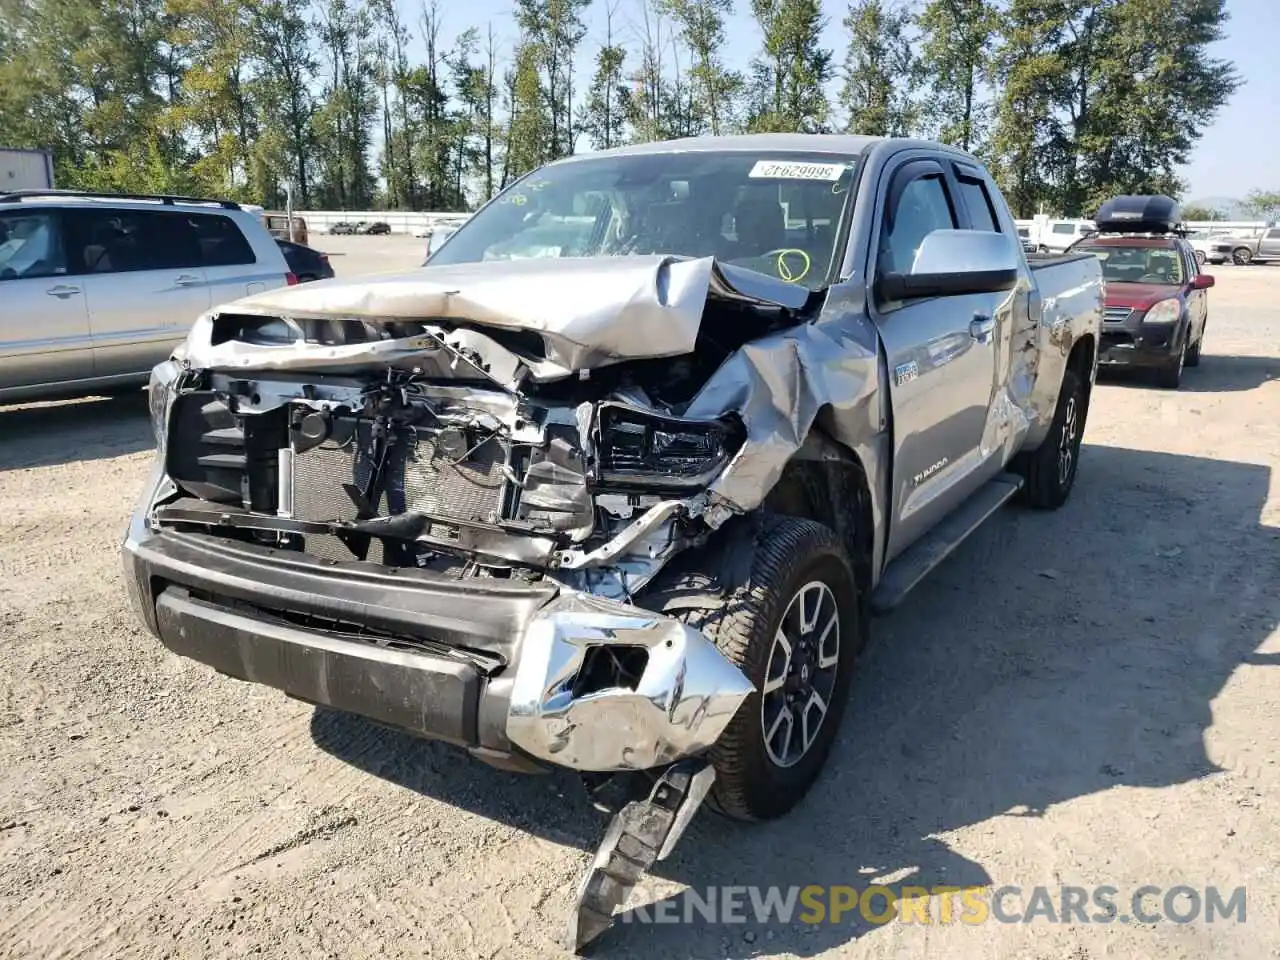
{"points": [[1193, 355], [1201, 257], [1170, 376], [1241, 256], [306, 277], [795, 561], [1048, 484]]}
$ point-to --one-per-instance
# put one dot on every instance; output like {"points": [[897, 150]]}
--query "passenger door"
{"points": [[144, 283], [942, 357], [44, 325], [1197, 300]]}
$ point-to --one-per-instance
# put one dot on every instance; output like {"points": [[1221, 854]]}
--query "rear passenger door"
{"points": [[144, 284], [942, 360], [230, 266], [44, 326]]}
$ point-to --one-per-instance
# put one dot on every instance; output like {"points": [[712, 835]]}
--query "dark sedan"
{"points": [[304, 262]]}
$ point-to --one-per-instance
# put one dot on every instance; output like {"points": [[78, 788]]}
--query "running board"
{"points": [[915, 563]]}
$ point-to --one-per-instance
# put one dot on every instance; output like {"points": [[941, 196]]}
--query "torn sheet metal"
{"points": [[683, 700], [589, 312], [780, 385]]}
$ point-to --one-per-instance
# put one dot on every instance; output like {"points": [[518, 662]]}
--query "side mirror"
{"points": [[1202, 281], [955, 262]]}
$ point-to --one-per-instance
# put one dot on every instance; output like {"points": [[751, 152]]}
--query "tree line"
{"points": [[361, 105]]}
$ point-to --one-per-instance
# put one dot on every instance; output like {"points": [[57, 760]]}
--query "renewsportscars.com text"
{"points": [[878, 904]]}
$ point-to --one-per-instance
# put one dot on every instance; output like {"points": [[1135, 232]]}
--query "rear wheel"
{"points": [[1050, 471], [793, 628]]}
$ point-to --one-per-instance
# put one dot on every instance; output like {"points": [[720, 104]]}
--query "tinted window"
{"points": [[31, 245], [1064, 228], [982, 215], [775, 213], [122, 241], [923, 207], [220, 240], [1273, 234]]}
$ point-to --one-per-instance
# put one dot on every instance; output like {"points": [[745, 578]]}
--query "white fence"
{"points": [[400, 221]]}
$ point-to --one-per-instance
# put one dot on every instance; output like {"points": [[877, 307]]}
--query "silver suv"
{"points": [[96, 289]]}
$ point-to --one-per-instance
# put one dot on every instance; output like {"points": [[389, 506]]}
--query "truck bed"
{"points": [[1038, 261]]}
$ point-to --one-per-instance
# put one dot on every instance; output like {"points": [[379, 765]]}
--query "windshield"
{"points": [[1138, 264], [779, 214]]}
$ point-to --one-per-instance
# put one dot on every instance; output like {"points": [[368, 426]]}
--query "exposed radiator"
{"points": [[419, 478]]}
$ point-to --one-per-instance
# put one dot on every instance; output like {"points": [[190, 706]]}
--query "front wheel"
{"points": [[1193, 355], [794, 629], [1241, 256], [1201, 257], [1050, 471], [1170, 376]]}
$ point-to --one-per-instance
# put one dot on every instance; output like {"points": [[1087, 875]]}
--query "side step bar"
{"points": [[914, 563]]}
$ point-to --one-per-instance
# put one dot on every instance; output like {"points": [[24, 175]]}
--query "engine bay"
{"points": [[454, 477]]}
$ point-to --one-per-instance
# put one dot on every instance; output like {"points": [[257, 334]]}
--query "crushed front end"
{"points": [[423, 502], [449, 559]]}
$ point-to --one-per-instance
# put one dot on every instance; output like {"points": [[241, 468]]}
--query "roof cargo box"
{"points": [[1154, 214]]}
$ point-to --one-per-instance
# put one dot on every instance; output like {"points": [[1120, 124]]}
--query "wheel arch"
{"points": [[816, 484], [827, 482]]}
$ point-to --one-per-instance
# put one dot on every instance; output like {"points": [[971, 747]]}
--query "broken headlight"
{"points": [[160, 397], [638, 450]]}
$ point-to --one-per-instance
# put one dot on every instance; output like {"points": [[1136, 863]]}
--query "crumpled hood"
{"points": [[589, 312]]}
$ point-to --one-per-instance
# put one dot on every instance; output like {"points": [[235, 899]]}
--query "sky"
{"points": [[1237, 153]]}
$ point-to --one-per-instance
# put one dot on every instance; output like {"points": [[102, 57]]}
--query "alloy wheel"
{"points": [[800, 677], [1067, 441]]}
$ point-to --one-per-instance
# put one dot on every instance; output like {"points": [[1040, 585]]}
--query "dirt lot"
{"points": [[1088, 697]]}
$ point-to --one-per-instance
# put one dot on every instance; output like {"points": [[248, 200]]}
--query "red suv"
{"points": [[1157, 302]]}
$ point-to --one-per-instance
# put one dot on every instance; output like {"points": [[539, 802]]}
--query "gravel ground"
{"points": [[1086, 697]]}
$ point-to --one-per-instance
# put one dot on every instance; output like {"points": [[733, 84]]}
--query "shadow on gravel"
{"points": [[1216, 374], [47, 434], [1055, 656]]}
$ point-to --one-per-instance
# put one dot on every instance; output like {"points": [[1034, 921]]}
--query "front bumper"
{"points": [[493, 667], [1130, 342]]}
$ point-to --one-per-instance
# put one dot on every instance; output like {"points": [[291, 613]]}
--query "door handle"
{"points": [[981, 328], [62, 291], [187, 280]]}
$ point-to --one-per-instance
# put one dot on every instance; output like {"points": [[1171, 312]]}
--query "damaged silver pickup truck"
{"points": [[616, 481]]}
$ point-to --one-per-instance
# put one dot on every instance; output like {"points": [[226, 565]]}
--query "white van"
{"points": [[1057, 235]]}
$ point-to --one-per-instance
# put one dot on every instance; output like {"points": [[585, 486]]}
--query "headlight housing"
{"points": [[160, 389], [1166, 311], [642, 451]]}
